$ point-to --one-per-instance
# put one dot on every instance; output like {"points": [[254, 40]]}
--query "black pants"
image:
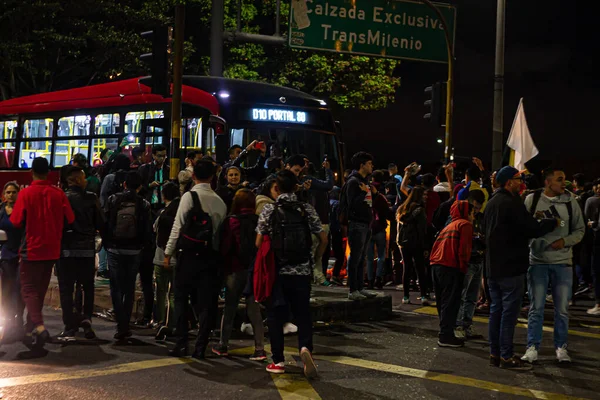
{"points": [[414, 260], [123, 271], [12, 303], [290, 292], [447, 283], [146, 279], [203, 293], [71, 271], [339, 252]]}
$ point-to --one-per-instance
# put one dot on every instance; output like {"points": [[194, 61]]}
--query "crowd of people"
{"points": [[266, 233]]}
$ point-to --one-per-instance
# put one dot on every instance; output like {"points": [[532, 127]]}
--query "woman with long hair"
{"points": [[238, 238], [234, 183], [412, 230]]}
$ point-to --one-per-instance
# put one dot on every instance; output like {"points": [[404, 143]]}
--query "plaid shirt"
{"points": [[314, 223]]}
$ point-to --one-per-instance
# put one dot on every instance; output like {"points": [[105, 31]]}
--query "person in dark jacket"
{"points": [[357, 205], [254, 173], [124, 243], [382, 212], [508, 227], [234, 183], [9, 268], [449, 263], [336, 236], [77, 261]]}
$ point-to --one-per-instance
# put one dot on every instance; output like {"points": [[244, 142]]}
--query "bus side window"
{"points": [[105, 125], [8, 132], [37, 140], [77, 128]]}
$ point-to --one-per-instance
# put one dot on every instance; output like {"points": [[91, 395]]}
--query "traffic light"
{"points": [[436, 103], [158, 59]]}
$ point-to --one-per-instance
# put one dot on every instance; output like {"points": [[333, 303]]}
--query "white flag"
{"points": [[520, 140]]}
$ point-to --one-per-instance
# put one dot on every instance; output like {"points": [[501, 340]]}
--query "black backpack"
{"points": [[408, 234], [117, 184], [246, 252], [126, 219], [537, 194], [197, 232], [291, 239]]}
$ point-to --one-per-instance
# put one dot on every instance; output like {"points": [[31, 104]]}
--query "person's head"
{"points": [[510, 179], [79, 160], [441, 175], [416, 198], [296, 164], [287, 181], [159, 154], [122, 162], [193, 157], [138, 154], [133, 181], [234, 176], [204, 171], [270, 188], [234, 151], [76, 177], [377, 181], [275, 164], [390, 188], [40, 168], [579, 180], [244, 200], [554, 181], [462, 209], [473, 174], [169, 192], [363, 163], [105, 154], [596, 188], [428, 181], [392, 169], [10, 192], [476, 198]]}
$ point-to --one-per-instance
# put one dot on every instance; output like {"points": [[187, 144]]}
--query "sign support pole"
{"points": [[177, 88], [498, 129], [449, 86]]}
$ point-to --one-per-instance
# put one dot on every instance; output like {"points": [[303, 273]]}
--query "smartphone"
{"points": [[259, 145]]}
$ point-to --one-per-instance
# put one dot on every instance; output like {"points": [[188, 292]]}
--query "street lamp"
{"points": [[440, 141]]}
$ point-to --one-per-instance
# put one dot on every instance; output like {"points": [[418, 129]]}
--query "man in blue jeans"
{"points": [[551, 260], [508, 227], [356, 206]]}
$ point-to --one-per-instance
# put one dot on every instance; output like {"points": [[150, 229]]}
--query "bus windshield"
{"points": [[287, 142]]}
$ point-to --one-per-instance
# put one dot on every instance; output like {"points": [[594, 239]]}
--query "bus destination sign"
{"points": [[279, 115]]}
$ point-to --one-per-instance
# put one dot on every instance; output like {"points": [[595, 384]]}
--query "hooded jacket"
{"points": [[452, 247], [359, 203], [571, 231]]}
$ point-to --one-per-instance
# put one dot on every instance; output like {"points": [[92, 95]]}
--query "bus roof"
{"points": [[114, 94], [242, 91]]}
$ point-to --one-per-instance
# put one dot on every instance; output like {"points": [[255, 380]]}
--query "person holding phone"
{"points": [[237, 156]]}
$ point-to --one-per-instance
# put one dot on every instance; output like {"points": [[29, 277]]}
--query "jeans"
{"points": [[359, 236], [596, 272], [35, 278], [338, 245], [293, 292], [122, 271], [560, 277], [165, 296], [235, 284], [102, 261], [146, 271], [377, 240], [447, 283], [506, 298], [318, 275], [80, 271], [408, 255], [12, 304], [469, 295]]}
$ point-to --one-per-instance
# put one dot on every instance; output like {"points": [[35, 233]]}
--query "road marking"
{"points": [[447, 378], [92, 373], [433, 311], [291, 386]]}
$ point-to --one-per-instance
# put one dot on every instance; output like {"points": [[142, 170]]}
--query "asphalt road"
{"points": [[396, 359]]}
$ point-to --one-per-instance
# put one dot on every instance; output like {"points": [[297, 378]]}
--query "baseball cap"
{"points": [[40, 166], [506, 173]]}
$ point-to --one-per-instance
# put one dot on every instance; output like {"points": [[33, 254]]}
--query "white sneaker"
{"points": [[562, 355], [247, 329], [459, 332], [368, 294], [289, 328], [531, 355], [595, 310]]}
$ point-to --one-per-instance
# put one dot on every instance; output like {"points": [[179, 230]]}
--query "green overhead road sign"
{"points": [[385, 28]]}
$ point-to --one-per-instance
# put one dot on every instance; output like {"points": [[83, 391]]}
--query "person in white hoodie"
{"points": [[551, 261]]}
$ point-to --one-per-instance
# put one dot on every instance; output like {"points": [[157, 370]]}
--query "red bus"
{"points": [[58, 125]]}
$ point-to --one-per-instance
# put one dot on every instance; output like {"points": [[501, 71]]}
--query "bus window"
{"points": [[107, 124], [74, 126], [209, 142], [99, 144], [38, 128], [32, 149], [7, 154], [133, 121], [66, 149], [8, 129], [191, 132]]}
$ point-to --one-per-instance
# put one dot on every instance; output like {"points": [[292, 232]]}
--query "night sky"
{"points": [[548, 62]]}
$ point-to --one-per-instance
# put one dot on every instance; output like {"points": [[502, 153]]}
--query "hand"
{"points": [[326, 165], [590, 224], [558, 245], [167, 262], [408, 168], [363, 187], [307, 184], [245, 183], [154, 184], [478, 162], [251, 145]]}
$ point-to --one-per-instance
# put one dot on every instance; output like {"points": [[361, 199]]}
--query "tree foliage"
{"points": [[57, 44]]}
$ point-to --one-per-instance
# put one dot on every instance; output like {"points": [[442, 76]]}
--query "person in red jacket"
{"points": [[449, 262], [42, 209]]}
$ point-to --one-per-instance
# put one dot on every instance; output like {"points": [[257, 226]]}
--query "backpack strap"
{"points": [[537, 195], [570, 212], [196, 201]]}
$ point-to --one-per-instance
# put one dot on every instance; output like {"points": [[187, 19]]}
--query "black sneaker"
{"points": [[494, 361], [39, 339], [143, 323], [451, 342], [198, 355], [68, 335], [88, 332], [179, 351], [515, 363], [162, 333], [220, 350], [259, 355], [122, 335], [378, 283]]}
